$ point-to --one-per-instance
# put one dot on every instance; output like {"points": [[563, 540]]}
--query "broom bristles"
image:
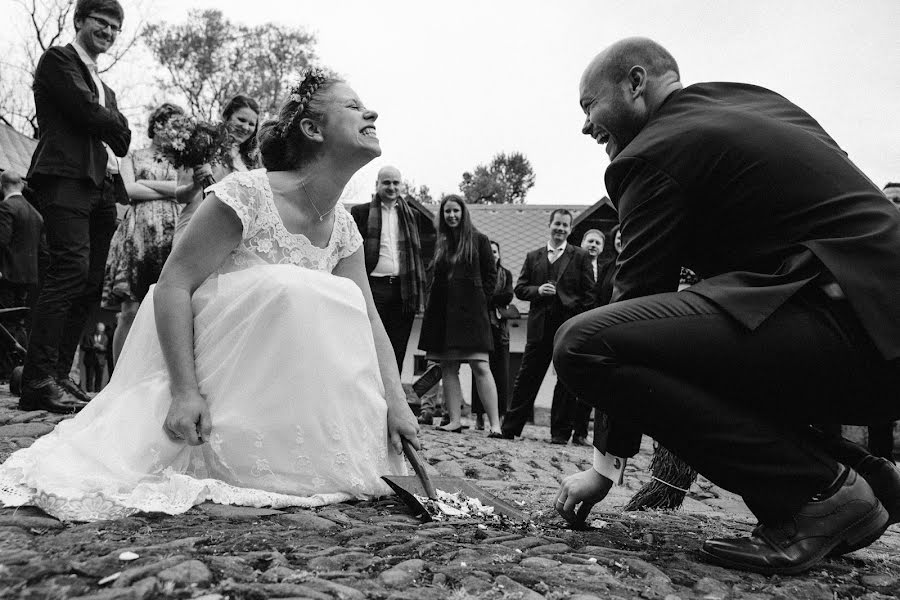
{"points": [[669, 468]]}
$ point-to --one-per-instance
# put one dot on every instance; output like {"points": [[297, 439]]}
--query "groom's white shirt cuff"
{"points": [[611, 467]]}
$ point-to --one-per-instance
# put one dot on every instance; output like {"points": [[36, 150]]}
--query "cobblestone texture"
{"points": [[376, 550]]}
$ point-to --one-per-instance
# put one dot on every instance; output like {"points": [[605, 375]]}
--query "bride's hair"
{"points": [[282, 144]]}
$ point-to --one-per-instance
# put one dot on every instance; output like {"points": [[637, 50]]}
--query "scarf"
{"points": [[412, 271]]}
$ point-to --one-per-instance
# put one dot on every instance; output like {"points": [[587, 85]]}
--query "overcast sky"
{"points": [[456, 82]]}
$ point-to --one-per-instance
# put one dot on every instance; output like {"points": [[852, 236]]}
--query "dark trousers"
{"points": [[499, 363], [581, 417], [735, 404], [79, 219], [881, 438], [535, 361], [397, 321], [93, 371]]}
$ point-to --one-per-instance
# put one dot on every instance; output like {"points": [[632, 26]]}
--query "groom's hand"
{"points": [[587, 489]]}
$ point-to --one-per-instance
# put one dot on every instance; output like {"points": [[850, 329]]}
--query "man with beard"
{"points": [[556, 280], [795, 320], [75, 176]]}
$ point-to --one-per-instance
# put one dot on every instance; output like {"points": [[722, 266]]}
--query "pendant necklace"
{"points": [[313, 204]]}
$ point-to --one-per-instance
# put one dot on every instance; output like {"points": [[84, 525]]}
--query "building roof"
{"points": [[15, 150]]}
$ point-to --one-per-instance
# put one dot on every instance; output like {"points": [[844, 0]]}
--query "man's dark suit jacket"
{"points": [[573, 286], [427, 233], [72, 124], [746, 189], [21, 241]]}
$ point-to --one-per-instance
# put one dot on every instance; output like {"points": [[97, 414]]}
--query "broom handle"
{"points": [[419, 467]]}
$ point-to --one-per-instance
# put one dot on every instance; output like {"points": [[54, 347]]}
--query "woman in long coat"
{"points": [[457, 327]]}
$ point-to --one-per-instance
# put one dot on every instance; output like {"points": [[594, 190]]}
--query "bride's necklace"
{"points": [[313, 204]]}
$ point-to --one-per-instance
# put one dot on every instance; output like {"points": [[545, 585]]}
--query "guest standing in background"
{"points": [[499, 357], [556, 280], [241, 114], [392, 239], [143, 240], [456, 327], [75, 175]]}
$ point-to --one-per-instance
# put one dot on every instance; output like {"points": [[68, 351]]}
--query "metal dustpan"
{"points": [[423, 485]]}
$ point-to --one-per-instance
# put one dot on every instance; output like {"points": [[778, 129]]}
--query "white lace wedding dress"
{"points": [[286, 359]]}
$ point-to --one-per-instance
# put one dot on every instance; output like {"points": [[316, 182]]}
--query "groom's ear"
{"points": [[311, 130]]}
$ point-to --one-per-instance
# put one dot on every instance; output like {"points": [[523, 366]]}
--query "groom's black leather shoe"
{"points": [[69, 385], [45, 394], [851, 516], [884, 478]]}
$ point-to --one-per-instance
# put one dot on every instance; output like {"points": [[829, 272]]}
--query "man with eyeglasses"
{"points": [[75, 175]]}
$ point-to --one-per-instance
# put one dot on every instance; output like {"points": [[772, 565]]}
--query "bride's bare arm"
{"points": [[401, 421], [213, 232]]}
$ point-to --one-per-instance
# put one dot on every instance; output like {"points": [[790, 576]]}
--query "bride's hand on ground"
{"points": [[402, 423], [188, 419]]}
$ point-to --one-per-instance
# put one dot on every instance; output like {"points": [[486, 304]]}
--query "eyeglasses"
{"points": [[103, 23]]}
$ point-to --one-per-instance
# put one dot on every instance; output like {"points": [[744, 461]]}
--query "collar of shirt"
{"points": [[559, 250], [8, 196], [85, 57]]}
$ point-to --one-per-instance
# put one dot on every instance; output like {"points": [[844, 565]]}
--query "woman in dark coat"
{"points": [[499, 357], [457, 327]]}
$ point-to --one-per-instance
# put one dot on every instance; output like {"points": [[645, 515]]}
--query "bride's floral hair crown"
{"points": [[302, 93]]}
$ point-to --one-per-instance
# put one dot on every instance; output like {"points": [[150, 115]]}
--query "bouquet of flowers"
{"points": [[185, 142]]}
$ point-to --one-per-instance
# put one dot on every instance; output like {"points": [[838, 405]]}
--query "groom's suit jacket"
{"points": [[746, 189], [72, 124]]}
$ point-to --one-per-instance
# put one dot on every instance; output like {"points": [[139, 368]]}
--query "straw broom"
{"points": [[672, 477]]}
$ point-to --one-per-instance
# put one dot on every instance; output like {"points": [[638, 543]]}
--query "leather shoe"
{"points": [[426, 417], [579, 440], [45, 394], [559, 441], [884, 478], [852, 516], [508, 435], [69, 385]]}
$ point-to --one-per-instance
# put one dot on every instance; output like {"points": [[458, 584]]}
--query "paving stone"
{"points": [[30, 522], [524, 543], [403, 573], [27, 416], [513, 587], [307, 520], [548, 549], [450, 468], [879, 580], [539, 562], [712, 589], [25, 430], [230, 511], [187, 573]]}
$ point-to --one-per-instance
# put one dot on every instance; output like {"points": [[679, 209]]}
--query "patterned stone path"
{"points": [[377, 550]]}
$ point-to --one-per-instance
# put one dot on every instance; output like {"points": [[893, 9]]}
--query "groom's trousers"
{"points": [[734, 403]]}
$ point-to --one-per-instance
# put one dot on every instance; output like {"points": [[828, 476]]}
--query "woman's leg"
{"points": [[452, 392], [487, 390], [125, 320]]}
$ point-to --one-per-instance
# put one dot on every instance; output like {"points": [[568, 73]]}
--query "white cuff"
{"points": [[611, 467]]}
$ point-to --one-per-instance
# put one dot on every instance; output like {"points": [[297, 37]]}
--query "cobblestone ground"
{"points": [[378, 550]]}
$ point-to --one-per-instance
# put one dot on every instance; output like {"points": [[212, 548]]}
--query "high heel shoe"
{"points": [[452, 430], [496, 435]]}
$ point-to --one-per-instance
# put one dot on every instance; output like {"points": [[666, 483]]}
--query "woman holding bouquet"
{"points": [[240, 115], [258, 371], [143, 240], [456, 327]]}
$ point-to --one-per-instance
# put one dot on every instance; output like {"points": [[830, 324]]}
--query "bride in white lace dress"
{"points": [[257, 372]]}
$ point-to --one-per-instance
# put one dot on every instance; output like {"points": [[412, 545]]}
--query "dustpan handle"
{"points": [[418, 466]]}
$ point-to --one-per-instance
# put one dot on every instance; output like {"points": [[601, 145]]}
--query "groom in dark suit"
{"points": [[556, 279], [796, 319], [75, 176]]}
